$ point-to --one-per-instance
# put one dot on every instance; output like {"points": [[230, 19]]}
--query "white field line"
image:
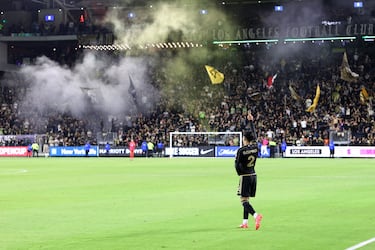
{"points": [[361, 244], [14, 171]]}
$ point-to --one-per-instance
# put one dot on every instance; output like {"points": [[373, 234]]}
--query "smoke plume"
{"points": [[96, 88], [175, 21]]}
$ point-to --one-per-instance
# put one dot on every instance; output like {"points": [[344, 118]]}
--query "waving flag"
{"points": [[270, 81], [255, 96], [132, 91], [316, 100], [363, 95], [335, 96], [216, 76], [294, 94], [346, 73]]}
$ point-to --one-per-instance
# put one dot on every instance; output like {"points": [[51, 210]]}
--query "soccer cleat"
{"points": [[258, 219], [243, 226]]}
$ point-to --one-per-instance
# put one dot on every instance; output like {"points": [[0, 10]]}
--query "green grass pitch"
{"points": [[183, 203]]}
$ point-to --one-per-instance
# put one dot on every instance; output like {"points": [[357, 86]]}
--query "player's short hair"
{"points": [[249, 136]]}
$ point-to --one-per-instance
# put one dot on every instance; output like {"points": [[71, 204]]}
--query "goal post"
{"points": [[213, 139]]}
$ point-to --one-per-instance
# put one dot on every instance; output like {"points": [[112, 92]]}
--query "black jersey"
{"points": [[246, 159]]}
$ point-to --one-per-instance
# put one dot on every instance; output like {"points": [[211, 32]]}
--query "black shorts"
{"points": [[247, 186]]}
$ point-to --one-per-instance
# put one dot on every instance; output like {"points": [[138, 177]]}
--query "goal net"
{"points": [[200, 140]]}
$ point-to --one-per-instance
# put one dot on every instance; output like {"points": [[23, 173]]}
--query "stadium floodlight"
{"points": [[358, 4], [279, 8]]}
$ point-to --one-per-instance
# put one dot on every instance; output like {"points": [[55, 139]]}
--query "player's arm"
{"points": [[251, 126], [237, 163]]}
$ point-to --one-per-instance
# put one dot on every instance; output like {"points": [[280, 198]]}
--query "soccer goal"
{"points": [[203, 139]]}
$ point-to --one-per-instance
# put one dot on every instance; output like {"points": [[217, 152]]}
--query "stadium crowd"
{"points": [[279, 114]]}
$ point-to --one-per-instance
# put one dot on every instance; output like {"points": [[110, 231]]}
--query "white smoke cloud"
{"points": [[96, 85]]}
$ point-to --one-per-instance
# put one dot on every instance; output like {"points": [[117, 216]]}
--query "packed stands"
{"points": [[278, 111]]}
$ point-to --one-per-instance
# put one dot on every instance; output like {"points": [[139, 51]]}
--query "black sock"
{"points": [[248, 209], [245, 214]]}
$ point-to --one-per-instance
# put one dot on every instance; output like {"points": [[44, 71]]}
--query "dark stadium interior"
{"points": [[175, 93]]}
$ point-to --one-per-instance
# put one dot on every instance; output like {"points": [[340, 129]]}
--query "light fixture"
{"points": [[278, 8], [358, 4]]}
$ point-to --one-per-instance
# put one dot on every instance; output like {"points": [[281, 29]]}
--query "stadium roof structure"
{"points": [[6, 5], [66, 4]]}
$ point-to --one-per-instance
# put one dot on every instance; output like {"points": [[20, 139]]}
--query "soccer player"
{"points": [[131, 149], [245, 166]]}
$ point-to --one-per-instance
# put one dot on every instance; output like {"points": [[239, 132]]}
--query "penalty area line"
{"points": [[361, 244]]}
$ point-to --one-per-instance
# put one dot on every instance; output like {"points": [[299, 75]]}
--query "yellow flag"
{"points": [[216, 76], [316, 100], [335, 96], [363, 95]]}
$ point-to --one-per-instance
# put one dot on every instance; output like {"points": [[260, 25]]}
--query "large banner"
{"points": [[73, 151], [204, 151], [355, 151], [317, 151], [119, 152], [226, 151], [323, 151], [327, 29], [208, 151], [13, 151]]}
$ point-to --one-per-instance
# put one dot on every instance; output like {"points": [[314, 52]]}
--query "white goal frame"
{"points": [[171, 134]]}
